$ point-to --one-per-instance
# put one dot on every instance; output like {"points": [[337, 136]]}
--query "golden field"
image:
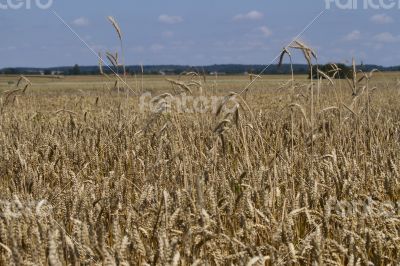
{"points": [[291, 172]]}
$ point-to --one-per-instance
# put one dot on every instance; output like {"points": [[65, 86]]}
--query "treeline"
{"points": [[231, 69]]}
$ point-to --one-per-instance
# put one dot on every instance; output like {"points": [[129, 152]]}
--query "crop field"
{"points": [[288, 172]]}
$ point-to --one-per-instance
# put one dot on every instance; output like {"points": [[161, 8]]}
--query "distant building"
{"points": [[217, 73], [56, 72]]}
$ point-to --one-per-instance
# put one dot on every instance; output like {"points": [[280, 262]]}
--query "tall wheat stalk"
{"points": [[119, 33]]}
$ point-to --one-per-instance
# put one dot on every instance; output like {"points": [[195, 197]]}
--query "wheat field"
{"points": [[296, 172]]}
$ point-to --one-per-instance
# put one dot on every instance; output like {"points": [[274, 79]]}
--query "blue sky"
{"points": [[195, 32]]}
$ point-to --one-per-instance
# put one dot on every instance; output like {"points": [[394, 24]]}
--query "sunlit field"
{"points": [[287, 172]]}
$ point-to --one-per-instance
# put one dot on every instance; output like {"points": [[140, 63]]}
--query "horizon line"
{"points": [[189, 65]]}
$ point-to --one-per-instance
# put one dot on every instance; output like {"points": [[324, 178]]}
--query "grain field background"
{"points": [[293, 172]]}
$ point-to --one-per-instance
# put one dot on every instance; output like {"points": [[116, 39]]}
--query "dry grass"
{"points": [[126, 187]]}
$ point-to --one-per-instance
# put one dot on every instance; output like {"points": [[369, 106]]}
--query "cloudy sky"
{"points": [[195, 32]]}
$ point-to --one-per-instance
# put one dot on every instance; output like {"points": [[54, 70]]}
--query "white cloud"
{"points": [[252, 15], [168, 34], [386, 37], [353, 36], [265, 31], [81, 22], [170, 19], [382, 19]]}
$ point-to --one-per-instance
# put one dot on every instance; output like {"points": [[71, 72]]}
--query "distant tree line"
{"points": [[231, 69]]}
